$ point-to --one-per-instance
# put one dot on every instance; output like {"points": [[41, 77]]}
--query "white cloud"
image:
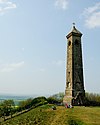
{"points": [[11, 67], [6, 5], [58, 63], [92, 16], [63, 4]]}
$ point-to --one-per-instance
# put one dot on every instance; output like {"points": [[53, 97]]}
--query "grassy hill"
{"points": [[44, 115]]}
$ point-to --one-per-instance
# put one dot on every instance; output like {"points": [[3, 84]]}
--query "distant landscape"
{"points": [[4, 97], [15, 98]]}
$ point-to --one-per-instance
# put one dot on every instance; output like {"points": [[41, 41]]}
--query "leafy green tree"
{"points": [[52, 100], [7, 107], [39, 101], [56, 98], [26, 104], [92, 99], [31, 103]]}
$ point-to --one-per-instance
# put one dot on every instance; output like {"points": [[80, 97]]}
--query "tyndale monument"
{"points": [[74, 93]]}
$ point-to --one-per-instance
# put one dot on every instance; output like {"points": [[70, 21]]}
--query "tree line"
{"points": [[91, 99], [8, 108]]}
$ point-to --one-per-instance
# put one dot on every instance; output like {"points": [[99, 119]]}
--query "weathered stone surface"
{"points": [[74, 93]]}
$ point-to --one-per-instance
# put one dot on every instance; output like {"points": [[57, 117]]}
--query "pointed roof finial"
{"points": [[74, 31], [73, 24]]}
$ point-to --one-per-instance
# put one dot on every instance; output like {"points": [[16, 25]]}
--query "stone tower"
{"points": [[74, 93]]}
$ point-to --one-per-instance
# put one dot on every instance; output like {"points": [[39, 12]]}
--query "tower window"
{"points": [[68, 84], [76, 42], [69, 43]]}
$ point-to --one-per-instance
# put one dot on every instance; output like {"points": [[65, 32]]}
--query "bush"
{"points": [[56, 99], [92, 99], [39, 101]]}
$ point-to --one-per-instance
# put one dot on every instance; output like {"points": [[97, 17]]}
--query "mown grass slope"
{"points": [[44, 115]]}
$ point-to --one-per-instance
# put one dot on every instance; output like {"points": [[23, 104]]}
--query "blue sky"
{"points": [[33, 44]]}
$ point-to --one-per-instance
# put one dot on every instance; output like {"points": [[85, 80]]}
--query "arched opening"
{"points": [[76, 42], [68, 85], [69, 43]]}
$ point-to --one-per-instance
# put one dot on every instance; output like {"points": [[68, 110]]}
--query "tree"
{"points": [[92, 99], [56, 98], [26, 104], [39, 101], [7, 107]]}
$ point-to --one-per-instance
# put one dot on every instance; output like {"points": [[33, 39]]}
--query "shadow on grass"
{"points": [[75, 122]]}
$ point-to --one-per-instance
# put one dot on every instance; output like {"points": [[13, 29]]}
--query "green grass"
{"points": [[44, 115]]}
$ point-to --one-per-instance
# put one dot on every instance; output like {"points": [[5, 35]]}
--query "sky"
{"points": [[33, 44]]}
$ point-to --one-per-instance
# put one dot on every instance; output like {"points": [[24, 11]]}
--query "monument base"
{"points": [[67, 100]]}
